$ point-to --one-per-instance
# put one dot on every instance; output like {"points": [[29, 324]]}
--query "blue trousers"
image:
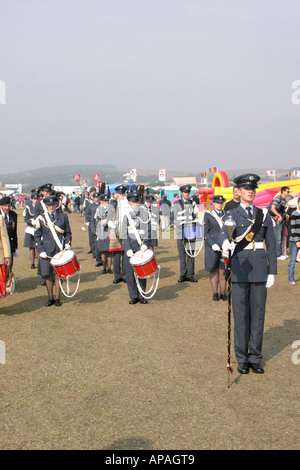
{"points": [[291, 266]]}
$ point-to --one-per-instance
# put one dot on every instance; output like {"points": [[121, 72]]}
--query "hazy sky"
{"points": [[181, 84]]}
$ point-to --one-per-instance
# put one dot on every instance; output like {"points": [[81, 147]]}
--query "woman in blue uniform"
{"points": [[28, 214], [52, 225], [214, 263]]}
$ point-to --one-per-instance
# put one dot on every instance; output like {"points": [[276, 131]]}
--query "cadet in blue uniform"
{"points": [[102, 242], [184, 211], [118, 206], [214, 263], [131, 227], [150, 224], [47, 246], [28, 214], [253, 269]]}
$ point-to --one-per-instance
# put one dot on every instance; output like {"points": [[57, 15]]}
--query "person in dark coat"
{"points": [[11, 222], [28, 214], [253, 271], [48, 247], [151, 220], [185, 210], [102, 233], [131, 226], [214, 262]]}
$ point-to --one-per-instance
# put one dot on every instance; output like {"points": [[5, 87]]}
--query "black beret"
{"points": [[218, 198], [150, 198], [133, 196], [121, 189], [46, 187], [185, 188], [249, 180], [4, 200], [51, 200]]}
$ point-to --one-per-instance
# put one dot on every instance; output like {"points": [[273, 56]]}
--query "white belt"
{"points": [[255, 246]]}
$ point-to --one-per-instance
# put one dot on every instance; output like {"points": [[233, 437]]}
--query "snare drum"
{"points": [[144, 264], [65, 264], [191, 231]]}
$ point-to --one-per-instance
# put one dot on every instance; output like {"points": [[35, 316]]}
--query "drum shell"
{"points": [[63, 269], [145, 269], [191, 231]]}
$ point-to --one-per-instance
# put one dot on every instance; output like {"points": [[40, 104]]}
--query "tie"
{"points": [[52, 217], [249, 212], [6, 219]]}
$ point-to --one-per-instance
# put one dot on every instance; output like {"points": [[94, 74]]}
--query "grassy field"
{"points": [[98, 373]]}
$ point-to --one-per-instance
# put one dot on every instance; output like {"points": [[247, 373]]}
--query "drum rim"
{"points": [[142, 263], [57, 261]]}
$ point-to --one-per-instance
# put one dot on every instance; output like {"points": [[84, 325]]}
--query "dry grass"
{"points": [[99, 373]]}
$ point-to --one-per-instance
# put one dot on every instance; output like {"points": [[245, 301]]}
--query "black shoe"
{"points": [[90, 252], [43, 283], [256, 368], [57, 303], [133, 301], [191, 279], [109, 271], [182, 279], [98, 264], [143, 301], [32, 266], [243, 368], [103, 271], [215, 297], [123, 280], [116, 281], [223, 297], [49, 303]]}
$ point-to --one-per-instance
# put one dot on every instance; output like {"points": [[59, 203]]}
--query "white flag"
{"points": [[271, 172], [296, 173], [162, 175], [203, 181], [133, 175]]}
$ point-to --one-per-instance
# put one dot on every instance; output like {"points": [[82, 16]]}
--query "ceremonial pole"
{"points": [[230, 227]]}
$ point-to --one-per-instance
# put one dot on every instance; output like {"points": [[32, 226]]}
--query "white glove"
{"points": [[143, 247], [16, 253], [227, 245], [43, 255], [129, 253], [68, 247], [270, 281], [215, 247], [87, 224], [112, 224]]}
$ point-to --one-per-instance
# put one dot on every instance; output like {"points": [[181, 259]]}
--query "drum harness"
{"points": [[132, 229], [62, 250], [188, 246]]}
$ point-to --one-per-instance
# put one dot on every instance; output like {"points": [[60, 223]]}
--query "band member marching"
{"points": [[253, 267], [102, 232], [117, 208], [150, 218], [28, 214], [184, 211], [52, 234], [214, 262], [134, 239]]}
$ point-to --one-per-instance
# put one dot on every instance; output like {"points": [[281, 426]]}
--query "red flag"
{"points": [[96, 178], [77, 178]]}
